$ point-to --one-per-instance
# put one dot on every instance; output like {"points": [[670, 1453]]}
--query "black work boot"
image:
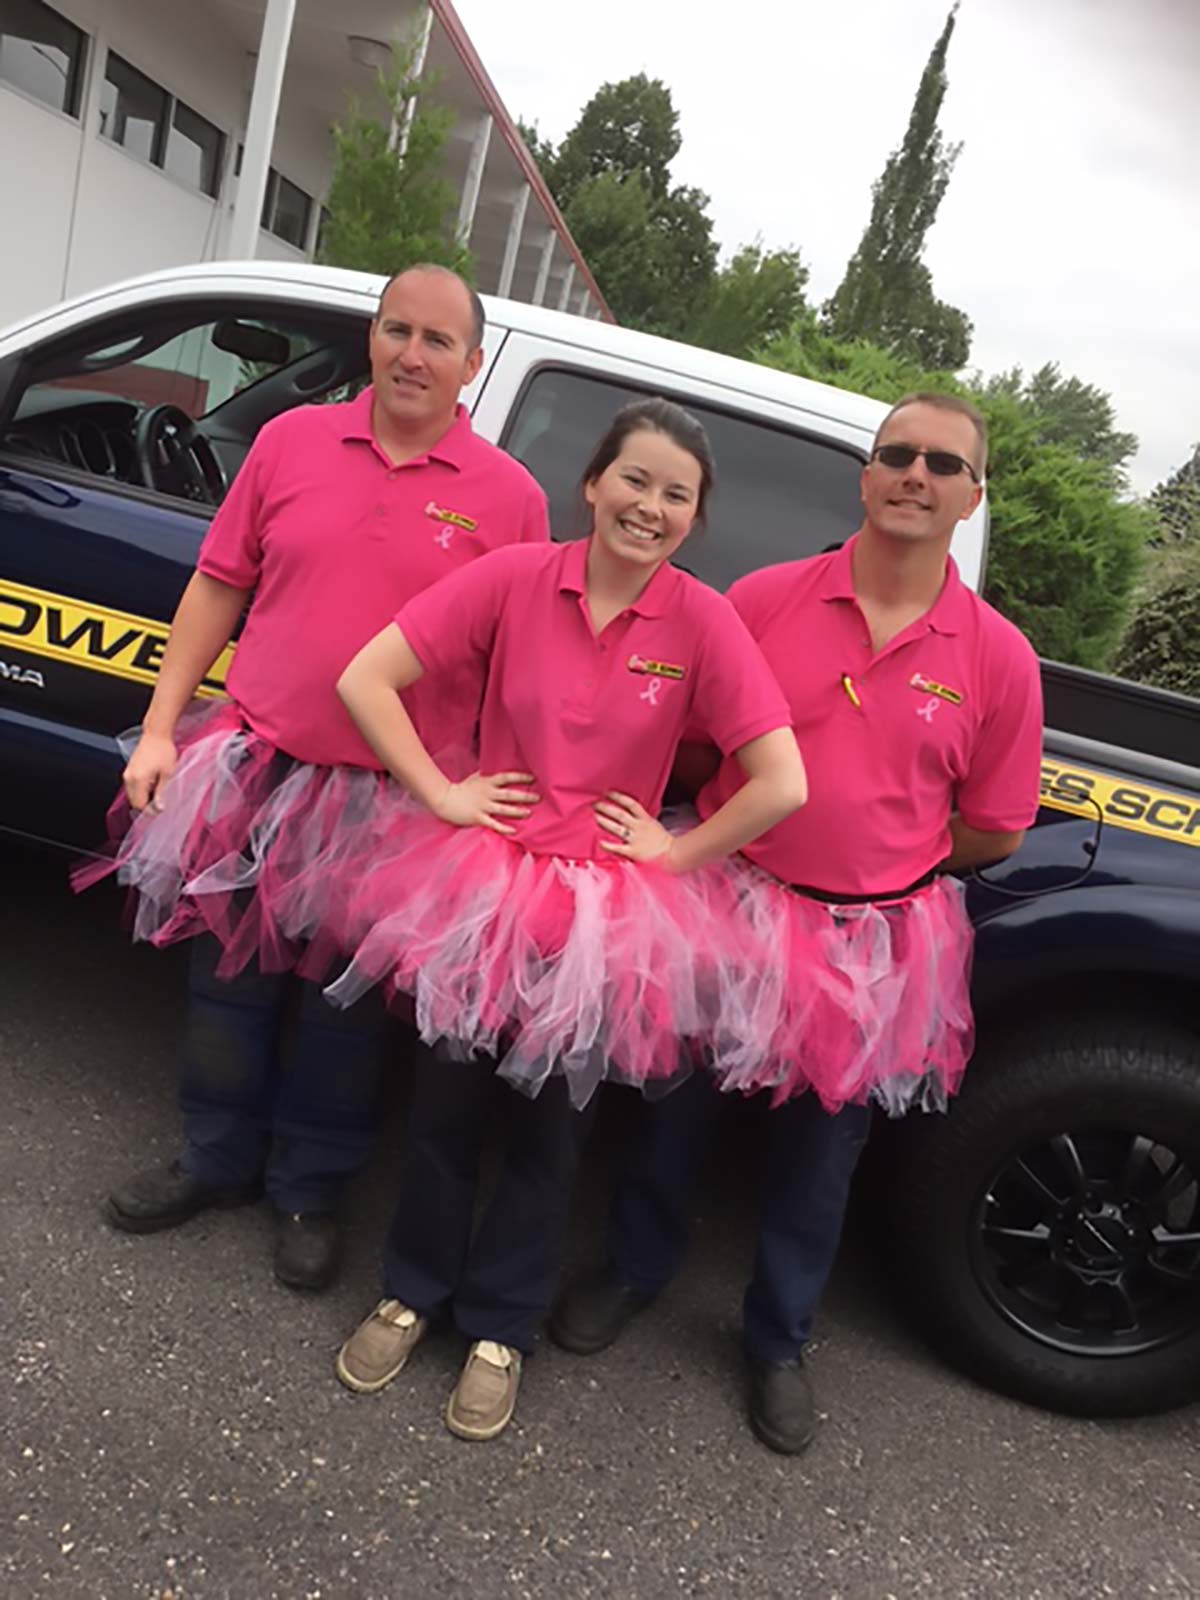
{"points": [[166, 1196], [782, 1411], [593, 1313], [306, 1249]]}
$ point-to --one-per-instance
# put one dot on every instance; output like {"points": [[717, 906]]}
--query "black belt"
{"points": [[861, 899]]}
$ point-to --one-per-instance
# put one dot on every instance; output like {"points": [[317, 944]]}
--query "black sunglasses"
{"points": [[942, 463]]}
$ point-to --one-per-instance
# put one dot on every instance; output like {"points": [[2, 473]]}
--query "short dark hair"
{"points": [[945, 402], [478, 319], [656, 416]]}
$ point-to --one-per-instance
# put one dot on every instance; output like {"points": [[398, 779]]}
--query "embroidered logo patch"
{"points": [[655, 669], [941, 690], [456, 519]]}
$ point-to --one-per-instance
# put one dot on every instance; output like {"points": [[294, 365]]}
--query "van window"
{"points": [[780, 496]]}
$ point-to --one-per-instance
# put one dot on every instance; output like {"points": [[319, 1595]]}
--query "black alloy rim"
{"points": [[1089, 1242]]}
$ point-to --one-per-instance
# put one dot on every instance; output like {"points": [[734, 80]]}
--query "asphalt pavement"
{"points": [[170, 1425]]}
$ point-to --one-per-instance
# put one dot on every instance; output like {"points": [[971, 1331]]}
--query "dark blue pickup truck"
{"points": [[1046, 1233]]}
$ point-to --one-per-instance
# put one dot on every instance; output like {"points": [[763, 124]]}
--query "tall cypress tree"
{"points": [[887, 293]]}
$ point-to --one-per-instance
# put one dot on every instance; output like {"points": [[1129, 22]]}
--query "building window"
{"points": [[195, 150], [133, 111], [42, 53], [143, 118], [287, 210]]}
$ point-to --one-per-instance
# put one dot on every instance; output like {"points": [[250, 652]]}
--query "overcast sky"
{"points": [[1071, 229]]}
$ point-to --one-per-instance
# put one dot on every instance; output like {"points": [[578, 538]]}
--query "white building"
{"points": [[137, 134]]}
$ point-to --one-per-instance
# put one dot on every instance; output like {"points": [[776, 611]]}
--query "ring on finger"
{"points": [[625, 832]]}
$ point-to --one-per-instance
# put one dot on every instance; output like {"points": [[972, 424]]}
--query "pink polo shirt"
{"points": [[333, 538], [583, 713], [885, 774]]}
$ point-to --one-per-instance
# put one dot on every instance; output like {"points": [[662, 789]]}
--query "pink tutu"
{"points": [[873, 1003], [251, 845], [593, 969]]}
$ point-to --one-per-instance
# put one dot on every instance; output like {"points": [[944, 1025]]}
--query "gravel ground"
{"points": [[170, 1425]]}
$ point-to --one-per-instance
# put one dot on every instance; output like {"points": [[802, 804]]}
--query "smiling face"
{"points": [[910, 503], [421, 351], [645, 501]]}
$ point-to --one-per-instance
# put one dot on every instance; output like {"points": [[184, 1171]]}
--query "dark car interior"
{"points": [[131, 399]]}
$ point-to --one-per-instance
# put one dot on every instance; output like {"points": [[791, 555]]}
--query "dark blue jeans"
{"points": [[499, 1284], [807, 1162], [275, 1084]]}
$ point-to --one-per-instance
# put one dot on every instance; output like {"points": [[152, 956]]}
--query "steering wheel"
{"points": [[175, 458]]}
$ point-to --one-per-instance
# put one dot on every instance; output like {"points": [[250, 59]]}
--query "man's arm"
{"points": [[976, 847], [201, 628], [1001, 787]]}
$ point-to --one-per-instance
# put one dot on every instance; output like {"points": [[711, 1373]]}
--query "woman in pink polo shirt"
{"points": [[538, 912]]}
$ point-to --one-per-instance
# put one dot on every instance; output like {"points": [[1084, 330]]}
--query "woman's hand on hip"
{"points": [[634, 833], [486, 801]]}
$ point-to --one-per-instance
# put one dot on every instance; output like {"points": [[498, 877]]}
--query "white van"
{"points": [[126, 413], [788, 450], [1048, 1246]]}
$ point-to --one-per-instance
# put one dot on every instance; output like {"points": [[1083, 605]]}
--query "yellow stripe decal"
{"points": [[1122, 803], [86, 635], [123, 645]]}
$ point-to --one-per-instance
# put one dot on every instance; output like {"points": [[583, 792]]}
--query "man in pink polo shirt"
{"points": [[917, 708], [340, 514]]}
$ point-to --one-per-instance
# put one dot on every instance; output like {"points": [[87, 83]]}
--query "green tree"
{"points": [[388, 206], [887, 294], [649, 245], [1065, 552], [611, 222], [1162, 643], [626, 128], [808, 349], [936, 332], [1071, 413], [540, 149], [687, 253], [757, 297], [1175, 506]]}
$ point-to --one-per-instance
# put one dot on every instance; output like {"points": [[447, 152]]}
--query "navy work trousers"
{"points": [[499, 1283], [276, 1084], [807, 1163]]}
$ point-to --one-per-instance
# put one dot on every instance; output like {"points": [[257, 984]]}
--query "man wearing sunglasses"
{"points": [[918, 709]]}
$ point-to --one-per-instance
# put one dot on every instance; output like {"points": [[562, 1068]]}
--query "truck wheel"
{"points": [[1045, 1234]]}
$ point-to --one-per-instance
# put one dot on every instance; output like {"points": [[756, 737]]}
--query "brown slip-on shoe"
{"points": [[486, 1395], [378, 1348]]}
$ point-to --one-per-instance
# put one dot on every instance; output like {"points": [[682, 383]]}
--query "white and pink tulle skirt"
{"points": [[591, 969], [873, 1000], [251, 845]]}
